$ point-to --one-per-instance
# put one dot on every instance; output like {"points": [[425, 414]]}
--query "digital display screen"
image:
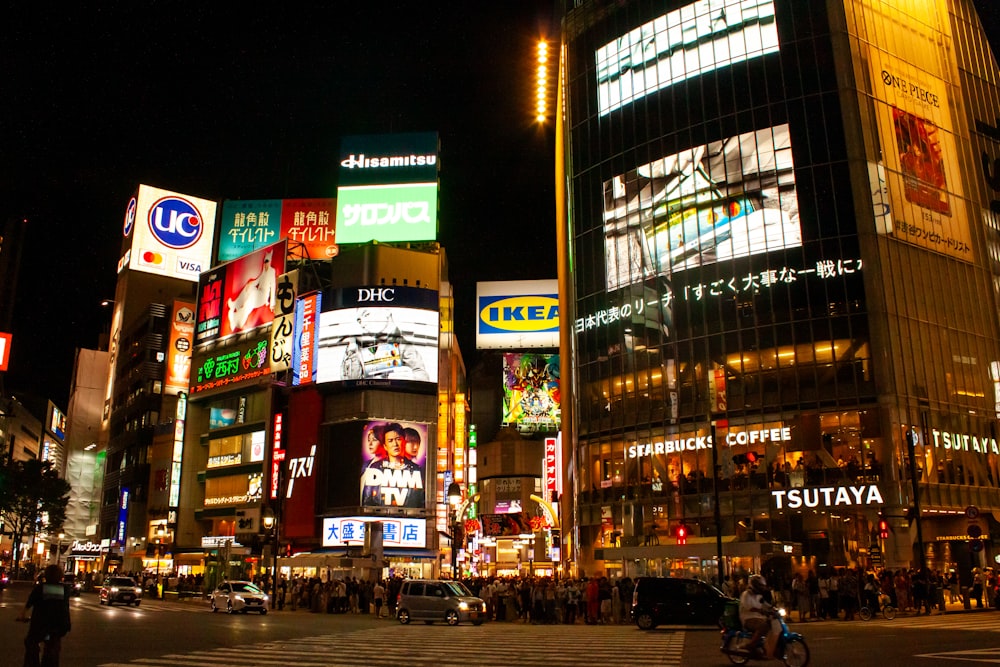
{"points": [[531, 396], [727, 199], [378, 336], [682, 44], [393, 464], [239, 296]]}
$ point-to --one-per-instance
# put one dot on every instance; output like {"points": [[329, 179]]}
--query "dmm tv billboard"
{"points": [[388, 188], [168, 234]]}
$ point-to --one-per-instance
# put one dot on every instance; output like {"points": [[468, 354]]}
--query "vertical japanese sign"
{"points": [[283, 327], [277, 454], [304, 348], [551, 467]]}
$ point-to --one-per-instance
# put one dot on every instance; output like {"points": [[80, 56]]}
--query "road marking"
{"points": [[981, 655], [442, 646]]}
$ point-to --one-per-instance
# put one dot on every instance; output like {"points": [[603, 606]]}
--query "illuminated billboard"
{"points": [[682, 44], [388, 188], [4, 350], [727, 199], [304, 342], [517, 314], [225, 367], [531, 392], [239, 296], [393, 464], [344, 531], [307, 224], [378, 336], [168, 234], [919, 166], [179, 347]]}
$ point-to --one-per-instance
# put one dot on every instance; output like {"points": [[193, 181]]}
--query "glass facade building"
{"points": [[783, 269]]}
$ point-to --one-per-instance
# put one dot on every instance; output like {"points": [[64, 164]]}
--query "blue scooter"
{"points": [[791, 649]]}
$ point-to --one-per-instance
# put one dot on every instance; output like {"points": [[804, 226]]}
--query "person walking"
{"points": [[49, 621]]}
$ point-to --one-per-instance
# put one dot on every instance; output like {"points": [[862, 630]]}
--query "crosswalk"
{"points": [[443, 646], [984, 621]]}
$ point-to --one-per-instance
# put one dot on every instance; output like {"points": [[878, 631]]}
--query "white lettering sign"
{"points": [[827, 496], [964, 442]]}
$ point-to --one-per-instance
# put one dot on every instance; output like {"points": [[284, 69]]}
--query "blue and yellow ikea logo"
{"points": [[525, 313]]}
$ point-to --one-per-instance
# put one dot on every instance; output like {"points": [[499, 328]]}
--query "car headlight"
{"points": [[782, 612], [114, 589], [239, 598], [138, 590], [463, 606], [265, 598]]}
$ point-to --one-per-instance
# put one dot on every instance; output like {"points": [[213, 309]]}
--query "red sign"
{"points": [[277, 454], [309, 222], [4, 350], [550, 467]]}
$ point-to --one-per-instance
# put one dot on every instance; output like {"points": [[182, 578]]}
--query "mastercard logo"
{"points": [[150, 257]]}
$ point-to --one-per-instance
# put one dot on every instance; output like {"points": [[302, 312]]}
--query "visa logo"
{"points": [[188, 266], [519, 314]]}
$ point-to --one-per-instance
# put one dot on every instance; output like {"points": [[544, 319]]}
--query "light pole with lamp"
{"points": [[270, 522], [454, 499], [59, 549], [159, 549]]}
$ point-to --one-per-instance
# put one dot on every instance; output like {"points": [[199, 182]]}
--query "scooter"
{"points": [[791, 648]]}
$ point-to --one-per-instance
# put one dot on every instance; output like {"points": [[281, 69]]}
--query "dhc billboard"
{"points": [[517, 314]]}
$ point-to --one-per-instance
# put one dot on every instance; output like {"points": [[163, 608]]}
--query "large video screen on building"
{"points": [[393, 464], [378, 336], [531, 392], [727, 199], [683, 44], [239, 296]]}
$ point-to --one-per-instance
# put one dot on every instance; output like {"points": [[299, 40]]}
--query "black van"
{"points": [[673, 601]]}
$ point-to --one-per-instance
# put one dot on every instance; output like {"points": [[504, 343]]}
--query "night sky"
{"points": [[224, 103]]}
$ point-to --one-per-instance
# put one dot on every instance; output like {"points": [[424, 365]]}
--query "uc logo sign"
{"points": [[175, 222], [129, 217], [519, 314]]}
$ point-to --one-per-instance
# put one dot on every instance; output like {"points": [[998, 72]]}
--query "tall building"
{"points": [[785, 270]]}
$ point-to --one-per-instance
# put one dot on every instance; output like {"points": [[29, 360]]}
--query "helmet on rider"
{"points": [[758, 583]]}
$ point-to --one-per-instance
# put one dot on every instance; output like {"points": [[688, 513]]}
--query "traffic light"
{"points": [[883, 528], [682, 534]]}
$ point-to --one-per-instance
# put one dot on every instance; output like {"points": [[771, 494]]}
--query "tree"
{"points": [[33, 500]]}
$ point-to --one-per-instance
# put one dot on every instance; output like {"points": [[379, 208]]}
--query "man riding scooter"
{"points": [[754, 610]]}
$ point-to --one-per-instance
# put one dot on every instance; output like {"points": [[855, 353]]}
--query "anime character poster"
{"points": [[393, 464], [531, 392]]}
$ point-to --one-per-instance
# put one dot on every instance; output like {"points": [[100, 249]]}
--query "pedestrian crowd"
{"points": [[839, 593]]}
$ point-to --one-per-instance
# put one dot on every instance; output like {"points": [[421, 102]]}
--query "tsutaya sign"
{"points": [[963, 442], [827, 496], [694, 443]]}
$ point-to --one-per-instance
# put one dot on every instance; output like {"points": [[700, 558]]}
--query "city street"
{"points": [[187, 634]]}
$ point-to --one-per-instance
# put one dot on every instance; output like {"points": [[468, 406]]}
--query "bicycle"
{"points": [[888, 611]]}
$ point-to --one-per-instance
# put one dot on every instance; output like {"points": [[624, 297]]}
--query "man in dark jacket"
{"points": [[49, 620]]}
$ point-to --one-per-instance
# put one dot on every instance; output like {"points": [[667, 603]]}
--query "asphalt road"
{"points": [[188, 634]]}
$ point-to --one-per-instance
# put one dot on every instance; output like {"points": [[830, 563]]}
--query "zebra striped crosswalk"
{"points": [[442, 646]]}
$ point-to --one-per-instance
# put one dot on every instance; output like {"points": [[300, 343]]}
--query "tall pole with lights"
{"points": [[271, 525], [454, 500]]}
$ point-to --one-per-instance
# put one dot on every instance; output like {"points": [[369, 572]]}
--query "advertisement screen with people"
{"points": [[393, 463], [375, 336], [531, 392]]}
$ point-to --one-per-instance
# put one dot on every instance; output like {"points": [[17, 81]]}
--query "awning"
{"points": [[704, 547]]}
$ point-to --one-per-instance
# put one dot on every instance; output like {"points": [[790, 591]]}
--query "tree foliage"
{"points": [[33, 500]]}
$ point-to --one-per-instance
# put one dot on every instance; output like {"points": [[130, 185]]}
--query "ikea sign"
{"points": [[517, 314]]}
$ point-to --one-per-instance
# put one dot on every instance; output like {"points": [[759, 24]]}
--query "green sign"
{"points": [[220, 369], [387, 213]]}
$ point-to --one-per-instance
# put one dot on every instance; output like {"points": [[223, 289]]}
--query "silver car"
{"points": [[430, 600], [239, 596]]}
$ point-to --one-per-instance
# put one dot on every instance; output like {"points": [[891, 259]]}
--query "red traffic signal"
{"points": [[682, 534], [883, 529]]}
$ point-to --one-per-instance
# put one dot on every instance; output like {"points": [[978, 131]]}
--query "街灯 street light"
{"points": [[270, 522], [454, 499]]}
